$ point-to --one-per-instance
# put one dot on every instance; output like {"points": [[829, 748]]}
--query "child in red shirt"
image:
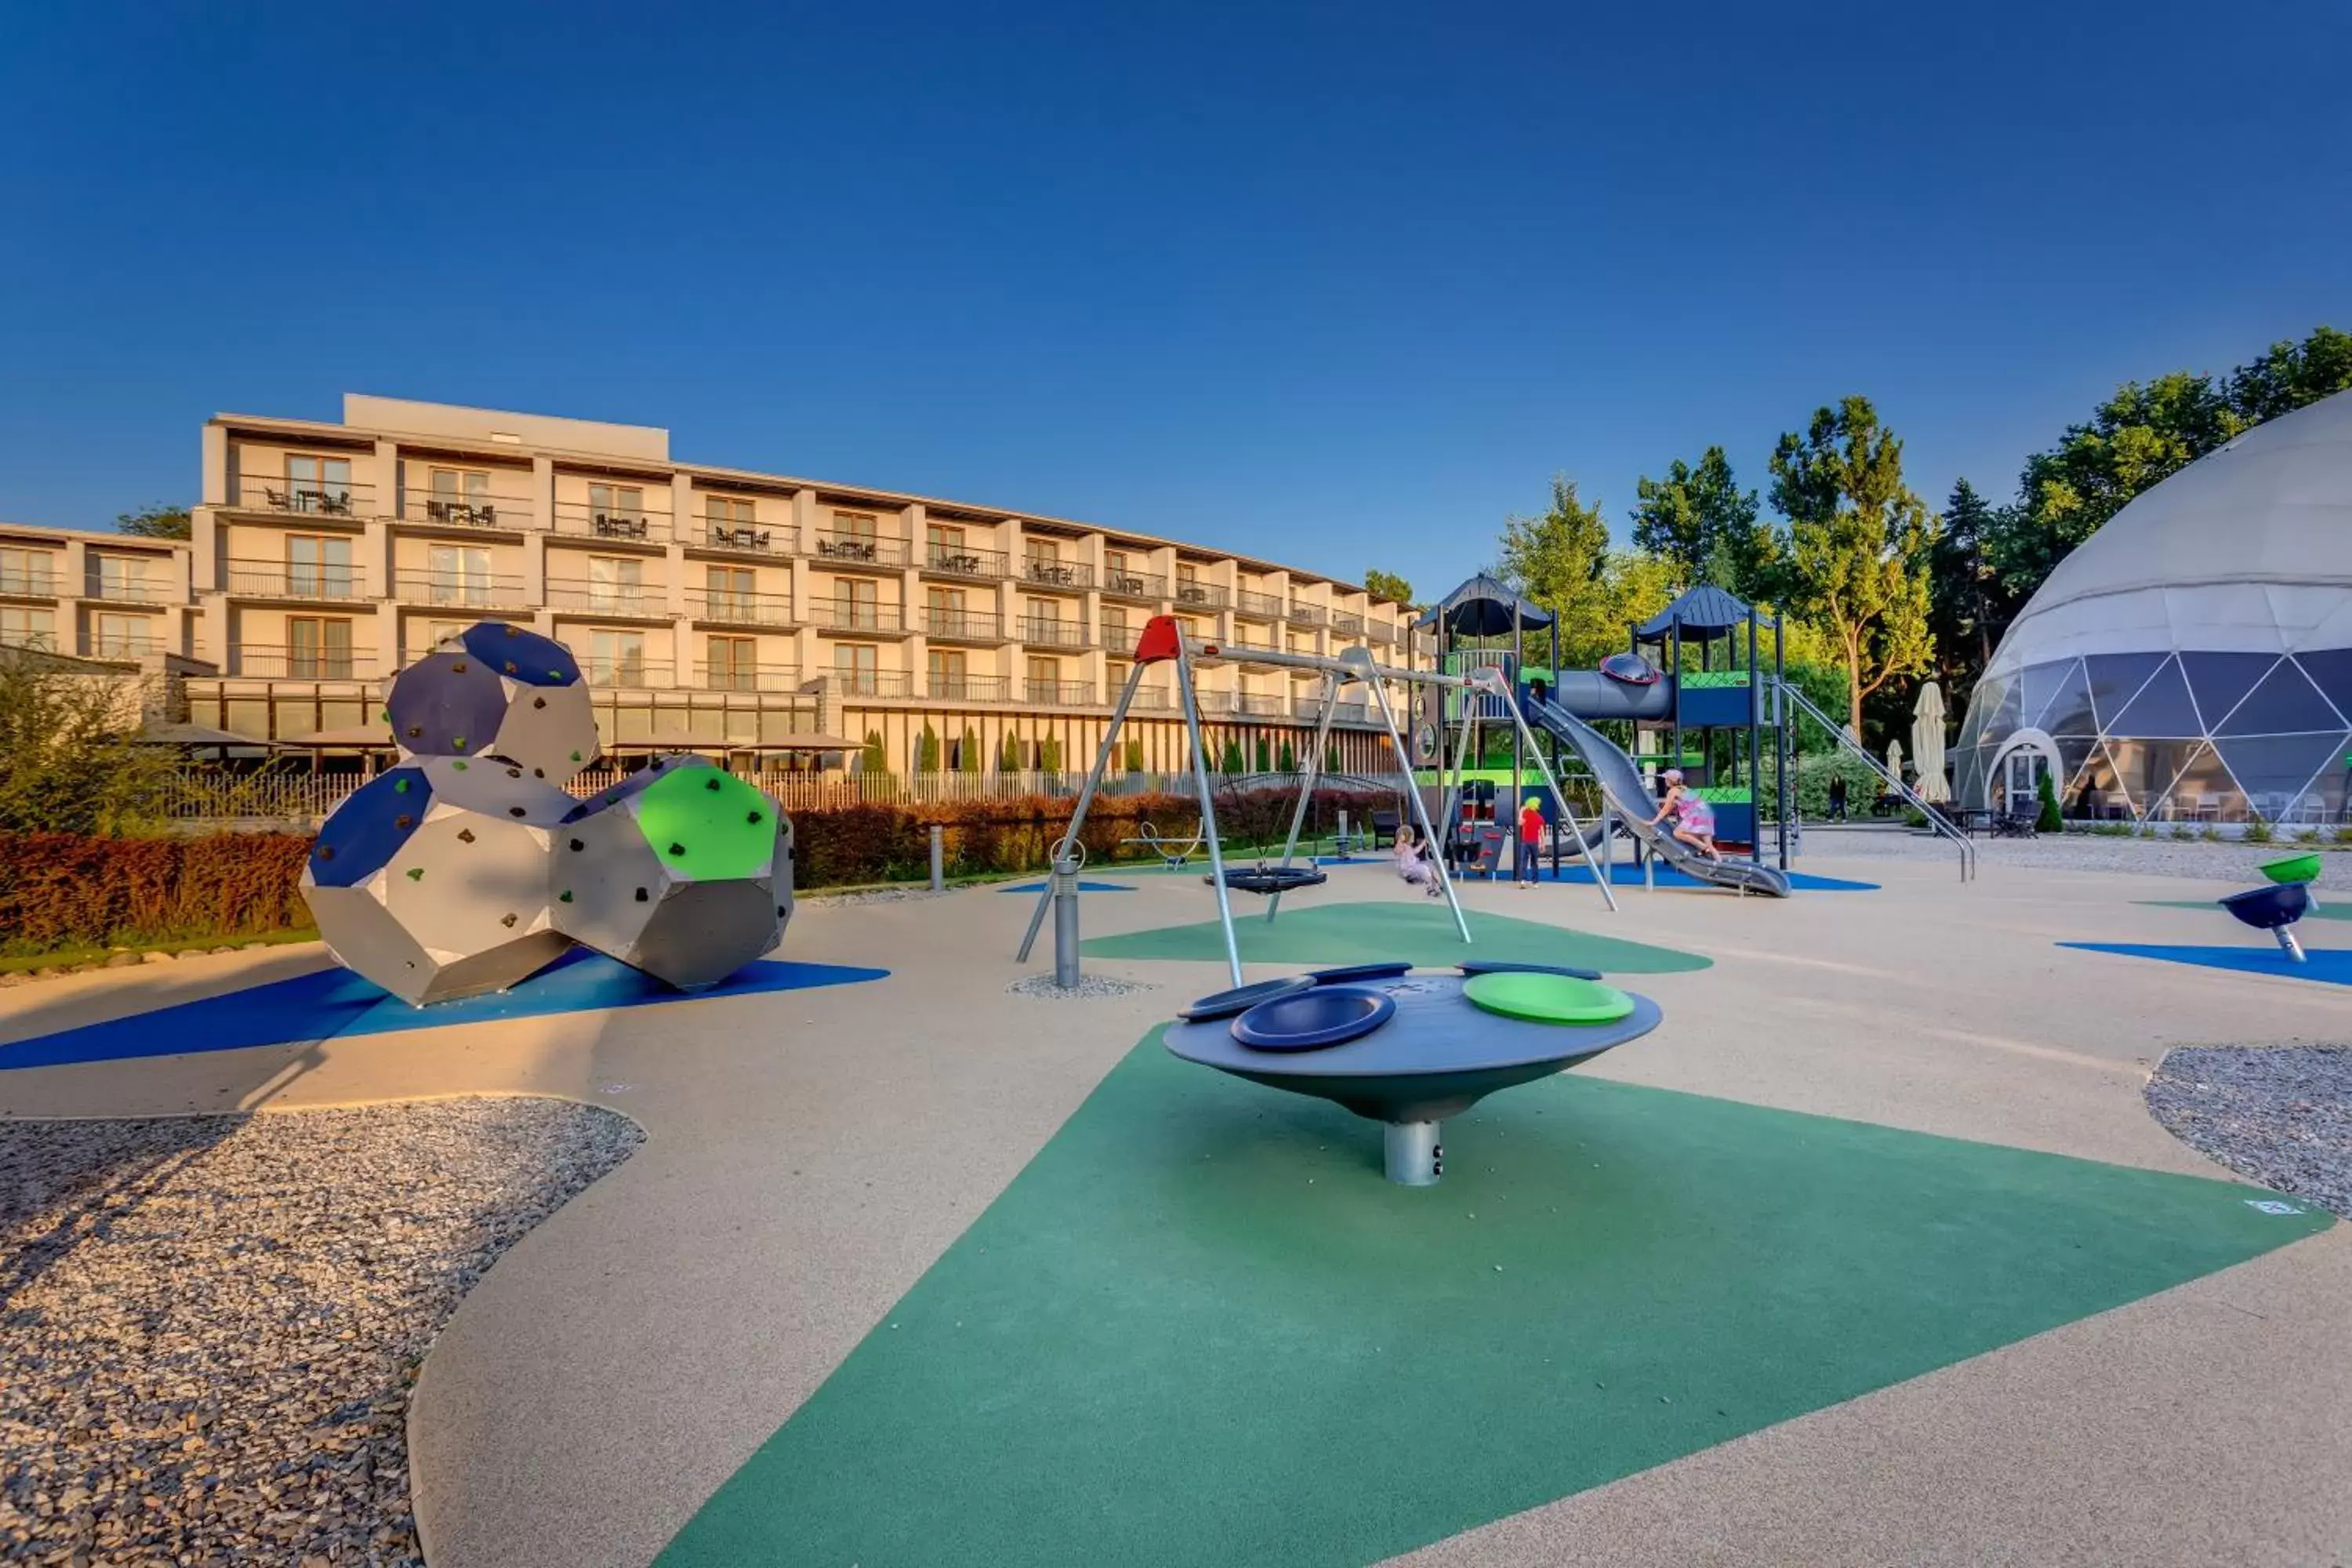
{"points": [[1531, 827]]}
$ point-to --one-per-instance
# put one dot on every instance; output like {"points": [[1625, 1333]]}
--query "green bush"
{"points": [[2259, 831], [1811, 781], [2051, 820]]}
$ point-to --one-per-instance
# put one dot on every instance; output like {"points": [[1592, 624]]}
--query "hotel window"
{"points": [[458, 495], [860, 603], [117, 636], [617, 511], [458, 575], [944, 545], [320, 484], [725, 511], [943, 612], [947, 669], [1044, 679], [734, 663], [618, 658], [728, 591], [26, 572], [318, 648], [1041, 620], [1114, 626], [23, 627], [857, 667], [120, 578], [1189, 589], [616, 584], [317, 568]]}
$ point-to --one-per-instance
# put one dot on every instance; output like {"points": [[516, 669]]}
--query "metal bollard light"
{"points": [[1065, 923], [939, 860]]}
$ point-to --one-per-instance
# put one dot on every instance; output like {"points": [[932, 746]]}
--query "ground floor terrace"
{"points": [[1872, 1252]]}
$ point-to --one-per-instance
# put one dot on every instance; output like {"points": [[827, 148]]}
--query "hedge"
{"points": [[60, 889]]}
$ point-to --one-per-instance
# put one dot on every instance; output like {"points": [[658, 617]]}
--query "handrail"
{"points": [[1934, 818]]}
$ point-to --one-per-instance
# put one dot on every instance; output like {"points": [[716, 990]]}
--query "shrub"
{"points": [[2258, 831], [1811, 778], [63, 889], [968, 757], [2051, 820]]}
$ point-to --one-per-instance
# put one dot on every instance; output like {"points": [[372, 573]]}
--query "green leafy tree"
{"points": [[1264, 755], [2289, 374], [1858, 545], [1008, 754], [1231, 762], [926, 752], [875, 759], [968, 754], [157, 522], [1968, 607], [1699, 519], [1382, 584], [2051, 819], [1288, 762], [1049, 754], [70, 760], [1134, 756], [1561, 562]]}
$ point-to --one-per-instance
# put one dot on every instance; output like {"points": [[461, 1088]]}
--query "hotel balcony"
{"points": [[471, 591], [857, 617], [1257, 607], [1260, 705], [612, 601], [1068, 576], [1039, 632], [942, 624], [1147, 586], [612, 524], [95, 645], [35, 584], [943, 688], [1347, 623], [324, 501], [1151, 699], [727, 677], [1215, 703], [1304, 615], [741, 538], [330, 584], [1383, 635], [1201, 595], [870, 551], [869, 682], [962, 561], [276, 660], [1057, 693], [726, 606], [473, 511], [625, 671], [128, 590]]}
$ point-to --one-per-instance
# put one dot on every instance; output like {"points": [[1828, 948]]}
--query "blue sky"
{"points": [[1342, 285]]}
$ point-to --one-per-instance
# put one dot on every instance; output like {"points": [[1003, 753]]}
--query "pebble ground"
{"points": [[2227, 862], [208, 1326], [2280, 1115]]}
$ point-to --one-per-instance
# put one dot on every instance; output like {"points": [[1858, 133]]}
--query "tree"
{"points": [[1134, 756], [157, 522], [1382, 584], [1264, 755], [1049, 754], [2289, 374], [1562, 562], [968, 754], [1289, 762], [1858, 545], [926, 752], [1699, 519], [1231, 762], [2050, 820], [1008, 754], [70, 760], [876, 760], [1967, 608]]}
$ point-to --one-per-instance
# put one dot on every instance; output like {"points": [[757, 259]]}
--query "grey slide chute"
{"points": [[1621, 780]]}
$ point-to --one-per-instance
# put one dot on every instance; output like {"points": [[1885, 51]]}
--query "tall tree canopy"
{"points": [[1561, 560], [157, 522], [1699, 519], [1967, 608], [1382, 584], [1858, 545]]}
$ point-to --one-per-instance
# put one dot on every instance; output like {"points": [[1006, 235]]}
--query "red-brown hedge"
{"points": [[59, 889]]}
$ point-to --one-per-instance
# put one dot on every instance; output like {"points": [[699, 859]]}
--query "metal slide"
{"points": [[1621, 780]]}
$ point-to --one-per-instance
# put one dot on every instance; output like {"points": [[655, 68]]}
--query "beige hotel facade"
{"points": [[759, 616]]}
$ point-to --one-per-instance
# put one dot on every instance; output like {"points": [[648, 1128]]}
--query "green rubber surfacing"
{"points": [[1198, 1328], [1419, 929]]}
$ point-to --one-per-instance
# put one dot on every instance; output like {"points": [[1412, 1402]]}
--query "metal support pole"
{"points": [[1065, 921], [2289, 945], [1420, 807], [1525, 738], [1306, 784], [1412, 1156], [939, 858], [1086, 799], [1208, 805]]}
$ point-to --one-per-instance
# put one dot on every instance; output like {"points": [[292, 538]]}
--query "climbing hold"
{"points": [[404, 821], [507, 919], [416, 873], [565, 897], [677, 848], [577, 844], [641, 895], [326, 851], [400, 786], [465, 835], [515, 811]]}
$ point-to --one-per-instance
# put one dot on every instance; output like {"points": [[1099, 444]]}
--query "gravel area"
{"points": [[2281, 1115], [1089, 988], [209, 1325], [875, 895], [2078, 852]]}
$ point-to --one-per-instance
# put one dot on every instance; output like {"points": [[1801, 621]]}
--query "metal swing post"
{"points": [[1307, 784], [1086, 799], [1567, 812], [1420, 807], [1208, 806]]}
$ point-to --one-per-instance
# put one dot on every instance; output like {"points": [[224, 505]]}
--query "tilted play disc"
{"points": [[1311, 1020], [1354, 972], [1547, 998], [1505, 967], [1241, 998]]}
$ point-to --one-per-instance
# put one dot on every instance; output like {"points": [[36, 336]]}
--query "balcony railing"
{"points": [[617, 524], [727, 677], [1057, 693], [1118, 636], [474, 510], [97, 645], [1044, 573], [870, 682], [29, 584], [1260, 705], [1304, 615], [1201, 595], [751, 538], [346, 500], [835, 548], [300, 663], [1383, 636], [739, 607], [1261, 606], [624, 670], [963, 561], [1053, 633], [332, 582], [1135, 584], [1348, 622], [961, 626], [855, 615], [947, 688], [1215, 701], [1152, 699], [126, 590], [1243, 637], [461, 590], [634, 600]]}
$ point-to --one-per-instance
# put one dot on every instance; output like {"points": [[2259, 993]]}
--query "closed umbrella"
{"points": [[1928, 744], [1894, 757]]}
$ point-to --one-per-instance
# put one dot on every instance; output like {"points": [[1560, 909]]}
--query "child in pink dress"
{"points": [[1694, 819]]}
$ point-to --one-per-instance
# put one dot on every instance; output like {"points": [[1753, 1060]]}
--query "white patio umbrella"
{"points": [[1928, 744], [1894, 757]]}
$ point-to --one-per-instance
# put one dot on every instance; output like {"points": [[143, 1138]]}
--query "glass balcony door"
{"points": [[317, 568], [318, 648], [458, 575]]}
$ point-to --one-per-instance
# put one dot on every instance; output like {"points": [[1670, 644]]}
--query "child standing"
{"points": [[1531, 827]]}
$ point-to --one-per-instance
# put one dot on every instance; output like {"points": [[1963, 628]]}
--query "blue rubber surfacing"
{"points": [[333, 1003], [2329, 966], [1622, 875]]}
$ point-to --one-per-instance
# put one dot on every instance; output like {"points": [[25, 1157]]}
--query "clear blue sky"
{"points": [[1343, 285]]}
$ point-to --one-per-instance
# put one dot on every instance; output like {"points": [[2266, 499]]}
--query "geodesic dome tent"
{"points": [[2193, 659]]}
